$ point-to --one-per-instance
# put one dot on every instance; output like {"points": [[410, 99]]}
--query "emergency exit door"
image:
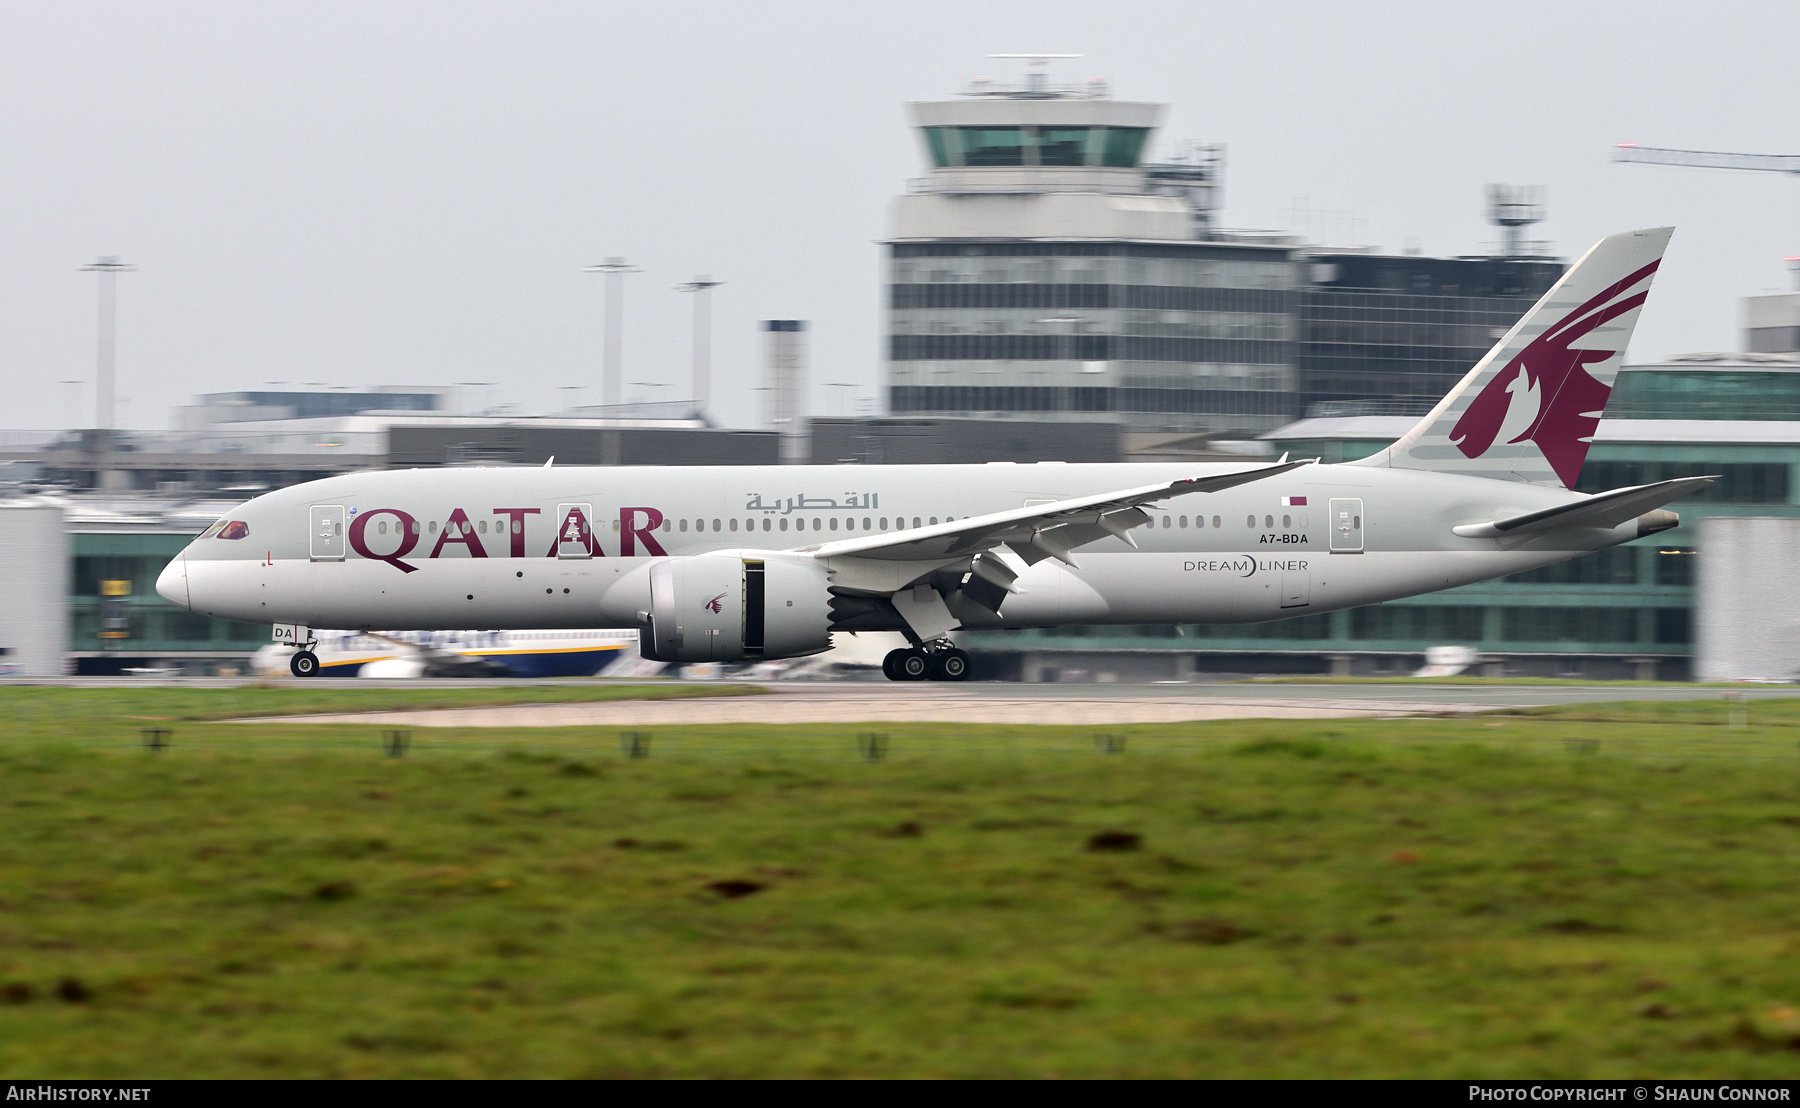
{"points": [[326, 526], [1346, 518]]}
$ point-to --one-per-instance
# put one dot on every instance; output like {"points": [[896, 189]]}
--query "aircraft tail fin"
{"points": [[1528, 410]]}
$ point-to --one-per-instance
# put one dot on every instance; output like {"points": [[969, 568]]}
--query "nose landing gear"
{"points": [[937, 661], [304, 663]]}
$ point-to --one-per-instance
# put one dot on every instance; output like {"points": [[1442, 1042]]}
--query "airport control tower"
{"points": [[1043, 268]]}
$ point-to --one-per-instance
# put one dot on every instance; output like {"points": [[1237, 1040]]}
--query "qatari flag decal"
{"points": [[1293, 502]]}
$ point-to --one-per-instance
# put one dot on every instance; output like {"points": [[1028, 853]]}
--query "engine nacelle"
{"points": [[737, 607]]}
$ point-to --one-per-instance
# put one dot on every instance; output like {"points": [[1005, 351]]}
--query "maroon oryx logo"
{"points": [[713, 605], [1546, 395]]}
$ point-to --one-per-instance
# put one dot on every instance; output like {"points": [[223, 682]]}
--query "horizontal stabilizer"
{"points": [[1606, 509]]}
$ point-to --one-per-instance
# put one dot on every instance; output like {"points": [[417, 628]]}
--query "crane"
{"points": [[1714, 159], [1706, 159]]}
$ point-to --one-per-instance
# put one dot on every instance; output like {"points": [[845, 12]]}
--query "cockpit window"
{"points": [[212, 531], [236, 529]]}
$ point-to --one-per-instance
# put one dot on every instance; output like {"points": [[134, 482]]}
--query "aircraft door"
{"points": [[325, 523], [1346, 518], [574, 531]]}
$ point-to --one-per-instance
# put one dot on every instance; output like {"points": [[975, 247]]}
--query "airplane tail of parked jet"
{"points": [[1528, 410]]}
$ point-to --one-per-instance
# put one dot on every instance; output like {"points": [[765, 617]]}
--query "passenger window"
{"points": [[916, 522], [381, 528], [1216, 521], [818, 524], [1165, 522], [734, 525], [669, 524], [716, 525], [1150, 523], [1287, 521], [1269, 521], [783, 524], [934, 521], [884, 523], [868, 524], [1181, 521], [766, 525], [834, 523], [518, 526], [684, 525], [432, 527], [482, 527], [415, 527], [1249, 521]]}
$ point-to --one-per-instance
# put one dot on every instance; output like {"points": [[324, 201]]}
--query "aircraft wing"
{"points": [[1604, 509], [1040, 531]]}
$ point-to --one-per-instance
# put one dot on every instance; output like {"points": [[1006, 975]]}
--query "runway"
{"points": [[1086, 705]]}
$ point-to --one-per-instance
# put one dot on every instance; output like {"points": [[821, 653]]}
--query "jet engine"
{"points": [[736, 607]]}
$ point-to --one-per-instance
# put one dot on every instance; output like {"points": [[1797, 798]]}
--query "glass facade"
{"points": [[1406, 329], [1706, 394], [1175, 332], [314, 405], [150, 624], [1200, 336], [1113, 147]]}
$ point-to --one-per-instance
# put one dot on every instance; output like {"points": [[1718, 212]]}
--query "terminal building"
{"points": [[1043, 268]]}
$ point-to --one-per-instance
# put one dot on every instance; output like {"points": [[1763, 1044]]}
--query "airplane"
{"points": [[537, 652], [747, 563]]}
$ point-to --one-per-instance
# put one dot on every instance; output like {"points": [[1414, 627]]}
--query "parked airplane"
{"points": [[723, 564], [530, 653]]}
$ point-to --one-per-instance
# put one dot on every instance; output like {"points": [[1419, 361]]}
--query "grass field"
{"points": [[1471, 679], [38, 712], [1605, 890]]}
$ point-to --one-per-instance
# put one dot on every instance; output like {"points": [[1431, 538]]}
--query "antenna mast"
{"points": [[1513, 208]]}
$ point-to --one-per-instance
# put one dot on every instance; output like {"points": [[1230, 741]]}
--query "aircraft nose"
{"points": [[172, 583]]}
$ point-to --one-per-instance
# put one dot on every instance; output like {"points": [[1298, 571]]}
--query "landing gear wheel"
{"points": [[890, 665], [304, 663], [951, 665], [912, 665]]}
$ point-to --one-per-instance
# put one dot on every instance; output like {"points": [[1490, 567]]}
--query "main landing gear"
{"points": [[304, 663], [931, 662]]}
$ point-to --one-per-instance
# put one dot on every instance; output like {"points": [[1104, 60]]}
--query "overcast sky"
{"points": [[380, 193]]}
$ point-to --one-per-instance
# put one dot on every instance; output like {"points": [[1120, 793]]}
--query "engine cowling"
{"points": [[737, 607]]}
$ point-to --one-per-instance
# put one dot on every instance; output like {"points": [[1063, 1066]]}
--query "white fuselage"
{"points": [[570, 547]]}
